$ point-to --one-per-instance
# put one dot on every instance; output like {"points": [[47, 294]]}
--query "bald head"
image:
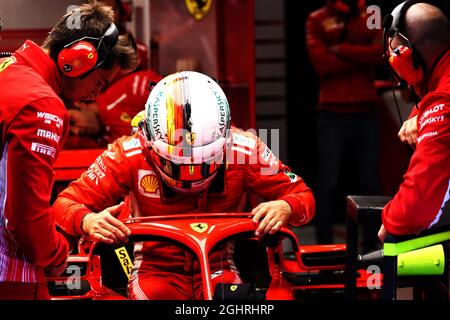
{"points": [[428, 29]]}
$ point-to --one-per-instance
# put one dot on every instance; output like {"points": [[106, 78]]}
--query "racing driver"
{"points": [[185, 158]]}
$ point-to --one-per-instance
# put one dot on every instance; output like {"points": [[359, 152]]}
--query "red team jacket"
{"points": [[346, 75], [123, 169], [122, 101], [33, 123], [423, 198]]}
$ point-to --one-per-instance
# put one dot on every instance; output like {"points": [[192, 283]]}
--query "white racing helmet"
{"points": [[187, 120]]}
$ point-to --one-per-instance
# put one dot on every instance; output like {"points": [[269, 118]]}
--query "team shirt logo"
{"points": [[48, 135], [43, 149], [148, 184], [292, 176], [97, 170], [433, 117], [132, 147], [131, 144], [243, 141], [49, 118]]}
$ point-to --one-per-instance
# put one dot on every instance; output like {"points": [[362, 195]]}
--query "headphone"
{"points": [[404, 61], [82, 56]]}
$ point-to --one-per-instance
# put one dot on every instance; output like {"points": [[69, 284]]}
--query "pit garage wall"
{"points": [[219, 45], [32, 14], [29, 19]]}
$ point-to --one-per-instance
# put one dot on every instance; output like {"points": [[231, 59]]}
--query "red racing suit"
{"points": [[33, 123], [423, 198], [122, 101], [123, 169]]}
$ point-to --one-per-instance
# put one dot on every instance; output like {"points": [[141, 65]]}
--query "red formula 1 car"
{"points": [[268, 270]]}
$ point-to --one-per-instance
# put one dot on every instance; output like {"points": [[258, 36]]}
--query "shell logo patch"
{"points": [[149, 183], [198, 8], [199, 227]]}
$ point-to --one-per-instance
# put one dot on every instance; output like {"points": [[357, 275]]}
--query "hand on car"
{"points": [[103, 227], [408, 132], [272, 216]]}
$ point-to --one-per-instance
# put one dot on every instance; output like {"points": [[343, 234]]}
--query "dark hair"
{"points": [[95, 19]]}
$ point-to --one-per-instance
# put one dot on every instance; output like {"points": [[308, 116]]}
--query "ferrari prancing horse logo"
{"points": [[198, 8], [190, 138], [199, 227]]}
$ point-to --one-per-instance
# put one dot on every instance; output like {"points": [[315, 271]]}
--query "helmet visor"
{"points": [[187, 172]]}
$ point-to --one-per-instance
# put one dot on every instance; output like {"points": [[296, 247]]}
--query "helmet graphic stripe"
{"points": [[170, 115], [187, 120]]}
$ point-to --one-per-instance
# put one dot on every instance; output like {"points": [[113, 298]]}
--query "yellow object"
{"points": [[5, 64], [125, 260], [138, 118], [198, 9], [425, 261], [149, 183], [199, 227]]}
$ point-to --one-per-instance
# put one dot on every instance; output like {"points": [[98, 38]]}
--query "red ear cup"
{"points": [[402, 61], [77, 59]]}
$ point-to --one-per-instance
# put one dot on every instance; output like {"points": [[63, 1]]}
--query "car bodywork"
{"points": [[298, 272]]}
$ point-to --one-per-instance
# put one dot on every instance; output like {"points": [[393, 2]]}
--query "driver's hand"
{"points": [[103, 227], [408, 132], [272, 216]]}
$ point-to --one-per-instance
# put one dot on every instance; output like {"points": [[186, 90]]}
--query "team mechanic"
{"points": [[34, 126], [417, 43], [175, 164]]}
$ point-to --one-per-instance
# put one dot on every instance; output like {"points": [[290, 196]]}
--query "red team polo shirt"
{"points": [[423, 198], [33, 123]]}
